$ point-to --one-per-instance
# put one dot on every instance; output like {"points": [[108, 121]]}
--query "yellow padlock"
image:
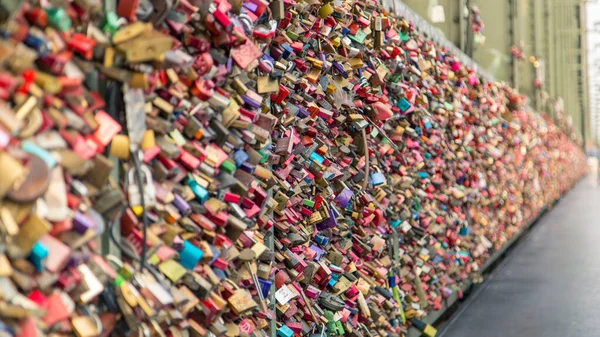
{"points": [[139, 80], [263, 173], [119, 147], [148, 140], [49, 83], [325, 11]]}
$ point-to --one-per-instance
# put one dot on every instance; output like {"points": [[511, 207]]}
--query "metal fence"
{"points": [[437, 36], [434, 34]]}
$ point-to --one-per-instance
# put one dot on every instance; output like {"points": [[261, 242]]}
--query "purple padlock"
{"points": [[81, 223], [182, 206], [343, 198], [328, 223]]}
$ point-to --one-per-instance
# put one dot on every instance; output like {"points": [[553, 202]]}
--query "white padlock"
{"points": [[378, 24], [134, 191]]}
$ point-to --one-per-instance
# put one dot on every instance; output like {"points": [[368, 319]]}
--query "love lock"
{"points": [[154, 11], [241, 300], [36, 180], [203, 89], [135, 198], [144, 330], [331, 302], [377, 177]]}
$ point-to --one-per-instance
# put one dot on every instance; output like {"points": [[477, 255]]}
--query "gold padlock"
{"points": [[119, 147], [11, 171], [241, 300], [26, 107], [7, 219], [380, 194], [148, 140], [266, 84], [84, 326], [32, 230], [147, 47]]}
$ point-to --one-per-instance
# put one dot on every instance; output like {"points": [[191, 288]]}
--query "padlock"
{"points": [[377, 178], [38, 255], [190, 255], [119, 147], [246, 147], [134, 191], [426, 329], [127, 9], [240, 301]]}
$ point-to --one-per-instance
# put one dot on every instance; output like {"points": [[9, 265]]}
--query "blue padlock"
{"points": [[240, 156], [321, 240], [200, 192], [404, 105], [315, 157], [377, 177], [215, 252], [37, 43], [287, 51], [284, 331], [30, 147], [38, 255], [302, 113], [190, 255], [265, 286]]}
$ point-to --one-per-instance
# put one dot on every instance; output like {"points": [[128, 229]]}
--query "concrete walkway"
{"points": [[548, 285]]}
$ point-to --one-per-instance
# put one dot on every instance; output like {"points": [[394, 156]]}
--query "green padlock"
{"points": [[228, 166], [404, 36], [339, 328], [110, 24], [58, 18]]}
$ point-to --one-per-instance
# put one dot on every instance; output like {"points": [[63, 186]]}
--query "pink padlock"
{"points": [[352, 291]]}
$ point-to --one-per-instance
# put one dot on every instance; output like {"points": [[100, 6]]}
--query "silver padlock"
{"points": [[133, 189]]}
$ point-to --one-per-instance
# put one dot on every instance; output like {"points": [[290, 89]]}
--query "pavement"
{"points": [[548, 285]]}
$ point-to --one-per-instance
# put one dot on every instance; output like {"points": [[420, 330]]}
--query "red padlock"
{"points": [[220, 218], [188, 160], [37, 16], [107, 128], [297, 46], [223, 19], [201, 45], [28, 77], [203, 89], [286, 21], [127, 9], [55, 63], [82, 45]]}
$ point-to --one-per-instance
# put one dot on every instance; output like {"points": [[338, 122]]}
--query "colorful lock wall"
{"points": [[254, 168]]}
